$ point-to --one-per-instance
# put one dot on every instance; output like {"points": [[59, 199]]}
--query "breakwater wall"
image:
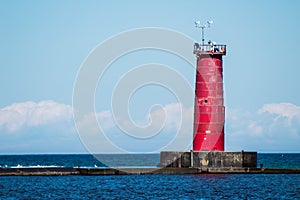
{"points": [[63, 171]]}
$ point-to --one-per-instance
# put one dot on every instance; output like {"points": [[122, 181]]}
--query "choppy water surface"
{"points": [[257, 186]]}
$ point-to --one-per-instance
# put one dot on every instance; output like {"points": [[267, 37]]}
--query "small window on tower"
{"points": [[205, 101]]}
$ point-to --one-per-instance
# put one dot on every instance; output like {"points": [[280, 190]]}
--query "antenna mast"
{"points": [[206, 25]]}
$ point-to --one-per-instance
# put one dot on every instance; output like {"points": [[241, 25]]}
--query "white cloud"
{"points": [[104, 118], [33, 114], [274, 127], [19, 115], [164, 125], [173, 115], [254, 129], [286, 110], [268, 129]]}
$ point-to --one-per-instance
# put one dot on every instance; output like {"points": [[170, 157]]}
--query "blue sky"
{"points": [[44, 43]]}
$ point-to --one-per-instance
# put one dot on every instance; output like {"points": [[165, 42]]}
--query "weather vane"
{"points": [[206, 25]]}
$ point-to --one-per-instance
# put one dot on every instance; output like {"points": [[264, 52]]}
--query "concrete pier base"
{"points": [[208, 159], [119, 171]]}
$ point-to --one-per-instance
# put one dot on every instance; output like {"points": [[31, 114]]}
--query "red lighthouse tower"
{"points": [[209, 117], [209, 110]]}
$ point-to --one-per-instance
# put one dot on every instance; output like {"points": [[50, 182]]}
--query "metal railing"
{"points": [[216, 48]]}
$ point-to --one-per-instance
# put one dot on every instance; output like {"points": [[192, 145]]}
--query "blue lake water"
{"points": [[233, 186], [277, 160]]}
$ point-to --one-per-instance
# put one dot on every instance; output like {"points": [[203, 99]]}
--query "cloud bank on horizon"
{"points": [[31, 114], [48, 127]]}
